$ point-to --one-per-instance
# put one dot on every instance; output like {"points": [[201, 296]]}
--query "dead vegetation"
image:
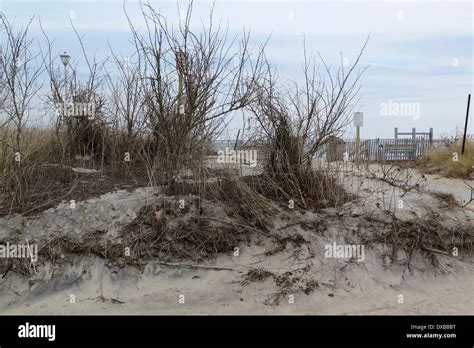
{"points": [[157, 113], [154, 124], [164, 232], [256, 275], [448, 160], [397, 175], [430, 235], [447, 198], [236, 195], [287, 283], [44, 186], [169, 232], [295, 121]]}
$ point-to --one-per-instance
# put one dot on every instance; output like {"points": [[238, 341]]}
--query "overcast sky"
{"points": [[419, 53]]}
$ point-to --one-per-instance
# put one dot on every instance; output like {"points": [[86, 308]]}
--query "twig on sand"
{"points": [[472, 194], [8, 269], [290, 225], [13, 290], [185, 265], [435, 251], [227, 222], [113, 300]]}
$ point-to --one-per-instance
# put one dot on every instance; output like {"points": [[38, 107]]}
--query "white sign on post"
{"points": [[358, 119]]}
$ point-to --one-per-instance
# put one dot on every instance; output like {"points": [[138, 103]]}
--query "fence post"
{"points": [[431, 136], [377, 144], [396, 132], [413, 131], [465, 127]]}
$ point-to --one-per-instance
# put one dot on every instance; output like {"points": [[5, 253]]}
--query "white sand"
{"points": [[344, 287]]}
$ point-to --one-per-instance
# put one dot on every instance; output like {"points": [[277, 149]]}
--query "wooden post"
{"points": [[358, 122], [357, 144], [396, 132], [377, 144], [413, 132], [237, 140], [431, 136], [465, 125]]}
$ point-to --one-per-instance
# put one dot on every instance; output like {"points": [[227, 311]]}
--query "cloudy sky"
{"points": [[420, 53]]}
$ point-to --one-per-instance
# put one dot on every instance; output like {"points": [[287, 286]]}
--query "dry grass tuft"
{"points": [[441, 161], [447, 198]]}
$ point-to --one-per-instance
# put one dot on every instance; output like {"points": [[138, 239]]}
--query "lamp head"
{"points": [[65, 58]]}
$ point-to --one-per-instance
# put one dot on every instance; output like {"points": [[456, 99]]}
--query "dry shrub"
{"points": [[308, 188], [87, 137], [428, 234], [244, 203], [288, 177], [288, 174], [139, 150], [237, 195], [192, 81], [440, 161], [169, 233], [217, 216], [296, 120]]}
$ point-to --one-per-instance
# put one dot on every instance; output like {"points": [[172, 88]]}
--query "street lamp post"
{"points": [[181, 62], [65, 59]]}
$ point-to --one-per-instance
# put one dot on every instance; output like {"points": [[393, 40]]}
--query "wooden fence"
{"points": [[380, 149], [404, 149]]}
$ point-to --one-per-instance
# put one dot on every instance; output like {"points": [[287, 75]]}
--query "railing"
{"points": [[380, 149], [405, 149]]}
